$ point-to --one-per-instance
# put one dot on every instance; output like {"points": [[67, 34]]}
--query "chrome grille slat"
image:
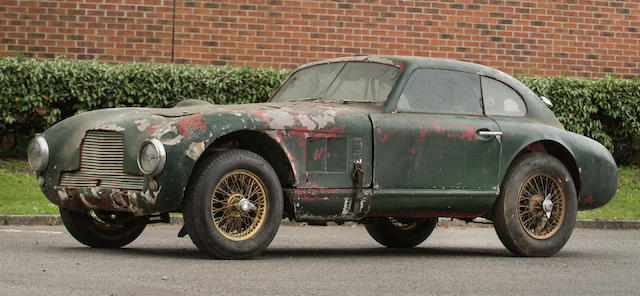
{"points": [[101, 164]]}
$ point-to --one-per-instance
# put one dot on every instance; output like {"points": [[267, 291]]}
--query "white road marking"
{"points": [[30, 231]]}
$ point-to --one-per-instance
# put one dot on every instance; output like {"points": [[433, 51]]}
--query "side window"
{"points": [[441, 91], [500, 99]]}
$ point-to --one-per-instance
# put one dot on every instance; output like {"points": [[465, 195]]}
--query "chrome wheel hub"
{"points": [[547, 206], [245, 206]]}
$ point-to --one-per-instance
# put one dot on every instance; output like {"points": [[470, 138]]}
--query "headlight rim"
{"points": [[44, 146], [162, 156]]}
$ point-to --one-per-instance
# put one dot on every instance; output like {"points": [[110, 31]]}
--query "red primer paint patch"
{"points": [[384, 138], [468, 134], [588, 199], [317, 198], [152, 128], [261, 115], [379, 131], [317, 154], [413, 151], [423, 132], [438, 128], [191, 123]]}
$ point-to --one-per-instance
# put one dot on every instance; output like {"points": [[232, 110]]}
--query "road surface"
{"points": [[335, 260]]}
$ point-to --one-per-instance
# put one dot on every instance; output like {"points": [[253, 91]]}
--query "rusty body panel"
{"points": [[412, 164]]}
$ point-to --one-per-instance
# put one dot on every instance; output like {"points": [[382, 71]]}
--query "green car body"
{"points": [[336, 160]]}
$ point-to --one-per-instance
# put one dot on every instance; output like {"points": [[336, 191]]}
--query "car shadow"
{"points": [[384, 252], [288, 253]]}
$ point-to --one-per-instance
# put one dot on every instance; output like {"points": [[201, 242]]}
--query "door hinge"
{"points": [[358, 178]]}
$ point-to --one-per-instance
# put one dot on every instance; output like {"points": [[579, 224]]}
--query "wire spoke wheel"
{"points": [[541, 206], [234, 189]]}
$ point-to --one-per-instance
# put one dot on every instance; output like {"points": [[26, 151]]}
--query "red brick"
{"points": [[556, 37]]}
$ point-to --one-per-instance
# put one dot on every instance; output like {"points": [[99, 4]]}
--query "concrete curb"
{"points": [[43, 220]]}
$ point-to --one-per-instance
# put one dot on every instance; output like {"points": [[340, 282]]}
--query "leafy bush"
{"points": [[35, 94], [607, 110]]}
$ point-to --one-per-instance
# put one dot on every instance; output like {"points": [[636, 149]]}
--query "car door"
{"points": [[439, 139]]}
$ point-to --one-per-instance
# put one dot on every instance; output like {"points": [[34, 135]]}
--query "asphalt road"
{"points": [[335, 260]]}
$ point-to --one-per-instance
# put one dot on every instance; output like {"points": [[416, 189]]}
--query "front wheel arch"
{"points": [[259, 143]]}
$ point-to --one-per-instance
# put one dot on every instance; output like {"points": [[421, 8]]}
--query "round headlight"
{"points": [[152, 157], [38, 153]]}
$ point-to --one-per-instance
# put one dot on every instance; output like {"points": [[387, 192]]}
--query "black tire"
{"points": [[95, 232], [401, 232], [242, 234], [520, 219]]}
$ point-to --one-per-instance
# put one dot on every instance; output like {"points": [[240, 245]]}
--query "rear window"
{"points": [[501, 100]]}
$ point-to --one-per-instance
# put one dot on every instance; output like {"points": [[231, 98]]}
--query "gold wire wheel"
{"points": [[541, 206], [233, 220]]}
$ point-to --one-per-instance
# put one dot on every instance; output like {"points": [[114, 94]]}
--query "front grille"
{"points": [[101, 164]]}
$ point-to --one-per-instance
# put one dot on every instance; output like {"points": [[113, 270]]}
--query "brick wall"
{"points": [[574, 37]]}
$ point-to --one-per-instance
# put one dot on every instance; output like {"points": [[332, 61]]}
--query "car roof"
{"points": [[536, 109]]}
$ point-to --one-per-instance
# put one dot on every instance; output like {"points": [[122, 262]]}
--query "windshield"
{"points": [[351, 81]]}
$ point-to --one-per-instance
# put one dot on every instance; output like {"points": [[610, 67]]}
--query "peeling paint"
{"points": [[195, 150], [142, 124], [150, 197], [110, 127], [346, 206], [63, 195], [86, 202]]}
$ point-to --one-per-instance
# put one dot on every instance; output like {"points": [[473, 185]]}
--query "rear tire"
{"points": [[401, 232], [537, 207], [214, 218], [97, 232]]}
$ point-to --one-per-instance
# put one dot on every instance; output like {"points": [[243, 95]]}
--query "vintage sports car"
{"points": [[390, 142]]}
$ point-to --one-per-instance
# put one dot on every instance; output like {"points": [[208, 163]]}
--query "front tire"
{"points": [[401, 232], [536, 210], [99, 231], [234, 206]]}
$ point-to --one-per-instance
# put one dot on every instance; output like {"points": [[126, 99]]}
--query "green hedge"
{"points": [[35, 94], [607, 110]]}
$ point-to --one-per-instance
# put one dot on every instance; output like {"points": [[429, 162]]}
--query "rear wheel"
{"points": [[234, 207], [103, 229], [401, 232], [536, 210]]}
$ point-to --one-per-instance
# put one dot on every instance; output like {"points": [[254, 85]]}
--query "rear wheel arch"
{"points": [[556, 150]]}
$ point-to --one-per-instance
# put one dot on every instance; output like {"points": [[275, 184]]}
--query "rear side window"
{"points": [[501, 100], [441, 91]]}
